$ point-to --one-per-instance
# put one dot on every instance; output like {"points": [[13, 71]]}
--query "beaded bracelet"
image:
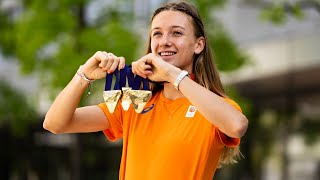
{"points": [[84, 77]]}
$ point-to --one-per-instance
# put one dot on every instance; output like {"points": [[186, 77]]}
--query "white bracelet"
{"points": [[84, 77], [183, 74]]}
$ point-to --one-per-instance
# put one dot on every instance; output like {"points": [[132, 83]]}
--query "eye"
{"points": [[177, 33], [156, 33]]}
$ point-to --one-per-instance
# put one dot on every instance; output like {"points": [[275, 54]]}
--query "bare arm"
{"points": [[213, 107], [64, 117]]}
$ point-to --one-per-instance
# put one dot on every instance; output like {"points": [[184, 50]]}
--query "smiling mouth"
{"points": [[167, 53]]}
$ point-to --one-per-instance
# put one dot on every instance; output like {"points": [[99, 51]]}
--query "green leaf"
{"points": [[297, 12], [275, 14], [227, 55]]}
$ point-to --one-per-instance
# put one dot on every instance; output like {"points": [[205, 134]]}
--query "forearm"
{"points": [[213, 107], [62, 110]]}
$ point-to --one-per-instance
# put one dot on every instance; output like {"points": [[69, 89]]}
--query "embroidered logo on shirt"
{"points": [[191, 111], [147, 109]]}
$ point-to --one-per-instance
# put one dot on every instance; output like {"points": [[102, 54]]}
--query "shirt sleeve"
{"points": [[115, 131], [226, 140]]}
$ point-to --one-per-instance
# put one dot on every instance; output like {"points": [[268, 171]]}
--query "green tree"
{"points": [[264, 132], [53, 37], [278, 12], [227, 55]]}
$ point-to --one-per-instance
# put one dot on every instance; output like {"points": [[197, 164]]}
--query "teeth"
{"points": [[167, 53]]}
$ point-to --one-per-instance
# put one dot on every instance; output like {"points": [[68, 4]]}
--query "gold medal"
{"points": [[111, 98], [126, 101], [139, 98]]}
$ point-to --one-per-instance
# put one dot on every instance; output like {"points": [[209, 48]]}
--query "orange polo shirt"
{"points": [[157, 147]]}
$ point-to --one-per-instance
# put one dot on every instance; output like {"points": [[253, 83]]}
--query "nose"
{"points": [[165, 41]]}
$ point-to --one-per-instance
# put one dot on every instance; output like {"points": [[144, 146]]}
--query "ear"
{"points": [[200, 42]]}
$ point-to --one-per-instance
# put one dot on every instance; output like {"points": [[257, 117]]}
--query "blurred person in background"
{"points": [[187, 129]]}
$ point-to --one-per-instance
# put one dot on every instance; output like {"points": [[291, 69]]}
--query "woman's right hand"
{"points": [[64, 116], [101, 63]]}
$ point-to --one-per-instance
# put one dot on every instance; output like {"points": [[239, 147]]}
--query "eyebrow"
{"points": [[156, 28]]}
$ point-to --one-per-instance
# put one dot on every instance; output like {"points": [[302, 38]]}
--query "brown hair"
{"points": [[204, 68]]}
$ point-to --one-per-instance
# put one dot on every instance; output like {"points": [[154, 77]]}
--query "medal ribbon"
{"points": [[109, 79], [135, 81], [135, 96], [111, 97], [139, 98]]}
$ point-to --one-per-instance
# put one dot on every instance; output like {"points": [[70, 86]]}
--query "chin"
{"points": [[172, 62], [168, 58]]}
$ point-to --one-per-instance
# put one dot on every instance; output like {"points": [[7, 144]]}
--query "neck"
{"points": [[170, 92]]}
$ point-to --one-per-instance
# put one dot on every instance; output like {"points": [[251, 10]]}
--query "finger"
{"points": [[149, 58], [103, 58], [148, 70], [109, 62], [141, 73], [122, 63], [147, 67], [144, 70], [136, 69], [140, 66], [114, 64], [133, 69]]}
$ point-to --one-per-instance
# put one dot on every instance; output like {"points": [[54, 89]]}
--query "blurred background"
{"points": [[267, 51]]}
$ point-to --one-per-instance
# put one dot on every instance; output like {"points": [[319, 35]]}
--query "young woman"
{"points": [[187, 128]]}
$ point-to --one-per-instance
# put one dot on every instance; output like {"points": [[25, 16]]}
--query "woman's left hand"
{"points": [[154, 68]]}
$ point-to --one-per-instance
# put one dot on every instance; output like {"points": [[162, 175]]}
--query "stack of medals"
{"points": [[132, 94]]}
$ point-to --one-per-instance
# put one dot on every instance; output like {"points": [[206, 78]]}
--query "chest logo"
{"points": [[147, 109], [191, 111]]}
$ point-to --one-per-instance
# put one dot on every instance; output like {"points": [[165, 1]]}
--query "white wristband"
{"points": [[183, 74]]}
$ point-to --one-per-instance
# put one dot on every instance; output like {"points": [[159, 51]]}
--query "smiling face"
{"points": [[173, 39]]}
